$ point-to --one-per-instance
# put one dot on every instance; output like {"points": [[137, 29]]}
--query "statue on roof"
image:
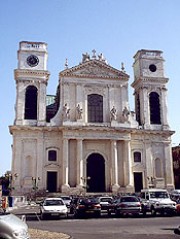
{"points": [[79, 112], [113, 115], [125, 113], [66, 112], [86, 57]]}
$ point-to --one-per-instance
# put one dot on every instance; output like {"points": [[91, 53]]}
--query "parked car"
{"points": [[54, 207], [177, 230], [127, 205], [87, 206], [12, 227], [106, 203], [175, 195], [67, 200], [73, 205], [157, 201]]}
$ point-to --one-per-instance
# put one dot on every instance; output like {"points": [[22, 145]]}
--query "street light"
{"points": [[11, 178], [85, 180], [35, 185], [151, 181]]}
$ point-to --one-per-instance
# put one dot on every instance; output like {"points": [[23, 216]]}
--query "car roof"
{"points": [[53, 199], [153, 190]]}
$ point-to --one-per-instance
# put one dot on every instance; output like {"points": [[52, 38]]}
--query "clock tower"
{"points": [[150, 90], [31, 81]]}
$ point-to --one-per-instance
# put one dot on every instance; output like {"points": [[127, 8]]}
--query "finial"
{"points": [[66, 64], [85, 57], [94, 54], [122, 67]]}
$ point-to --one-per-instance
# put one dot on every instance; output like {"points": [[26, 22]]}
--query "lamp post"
{"points": [[35, 185], [11, 177], [85, 182], [151, 181]]}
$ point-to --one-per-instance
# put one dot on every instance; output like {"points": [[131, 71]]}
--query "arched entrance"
{"points": [[96, 173]]}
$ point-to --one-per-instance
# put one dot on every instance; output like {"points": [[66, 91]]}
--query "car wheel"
{"points": [[109, 213], [153, 211], [97, 214], [117, 213], [42, 216], [177, 231], [144, 213]]}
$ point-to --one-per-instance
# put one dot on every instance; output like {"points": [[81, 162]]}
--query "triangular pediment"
{"points": [[95, 69]]}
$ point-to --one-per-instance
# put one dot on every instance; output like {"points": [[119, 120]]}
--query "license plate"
{"points": [[54, 214]]}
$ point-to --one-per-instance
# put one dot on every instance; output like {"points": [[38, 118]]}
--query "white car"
{"points": [[54, 207], [157, 200], [12, 227], [67, 200]]}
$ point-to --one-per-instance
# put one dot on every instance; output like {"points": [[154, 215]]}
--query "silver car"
{"points": [[12, 227]]}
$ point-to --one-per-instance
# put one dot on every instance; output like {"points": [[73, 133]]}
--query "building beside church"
{"points": [[86, 138]]}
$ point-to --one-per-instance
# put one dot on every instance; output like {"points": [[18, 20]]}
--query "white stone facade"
{"points": [[91, 141]]}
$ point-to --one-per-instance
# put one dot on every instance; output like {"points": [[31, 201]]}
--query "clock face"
{"points": [[32, 60], [152, 68]]}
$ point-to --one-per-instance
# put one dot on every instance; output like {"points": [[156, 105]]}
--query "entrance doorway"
{"points": [[51, 181], [96, 173], [138, 182]]}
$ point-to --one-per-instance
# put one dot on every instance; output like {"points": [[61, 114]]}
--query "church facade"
{"points": [[86, 138]]}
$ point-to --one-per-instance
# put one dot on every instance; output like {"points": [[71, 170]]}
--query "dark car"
{"points": [[67, 201], [73, 205], [106, 203], [127, 205], [87, 206]]}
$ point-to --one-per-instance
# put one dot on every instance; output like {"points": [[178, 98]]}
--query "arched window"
{"points": [[158, 168], [95, 108], [31, 103], [52, 155], [155, 117], [137, 157]]}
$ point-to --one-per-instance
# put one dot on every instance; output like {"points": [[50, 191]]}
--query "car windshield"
{"points": [[159, 195], [106, 199], [89, 200], [129, 199], [53, 202], [66, 198]]}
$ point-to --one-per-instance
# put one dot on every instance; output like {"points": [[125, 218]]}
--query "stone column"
{"points": [[144, 108], [169, 178], [164, 110], [128, 175], [149, 167], [79, 162], [114, 159], [65, 186], [20, 103], [42, 104]]}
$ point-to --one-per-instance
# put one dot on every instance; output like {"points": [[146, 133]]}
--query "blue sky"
{"points": [[116, 28]]}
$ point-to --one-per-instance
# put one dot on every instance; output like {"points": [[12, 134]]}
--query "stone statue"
{"points": [[113, 113], [66, 111], [79, 112], [125, 113], [86, 57]]}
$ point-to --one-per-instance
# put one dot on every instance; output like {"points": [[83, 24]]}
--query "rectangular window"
{"points": [[52, 155]]}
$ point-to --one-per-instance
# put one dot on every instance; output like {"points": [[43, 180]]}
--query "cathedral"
{"points": [[86, 138]]}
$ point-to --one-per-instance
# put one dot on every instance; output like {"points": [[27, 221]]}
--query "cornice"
{"points": [[150, 80], [19, 73], [71, 72], [97, 129]]}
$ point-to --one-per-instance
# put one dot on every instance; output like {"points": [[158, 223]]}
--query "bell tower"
{"points": [[150, 90], [31, 80]]}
